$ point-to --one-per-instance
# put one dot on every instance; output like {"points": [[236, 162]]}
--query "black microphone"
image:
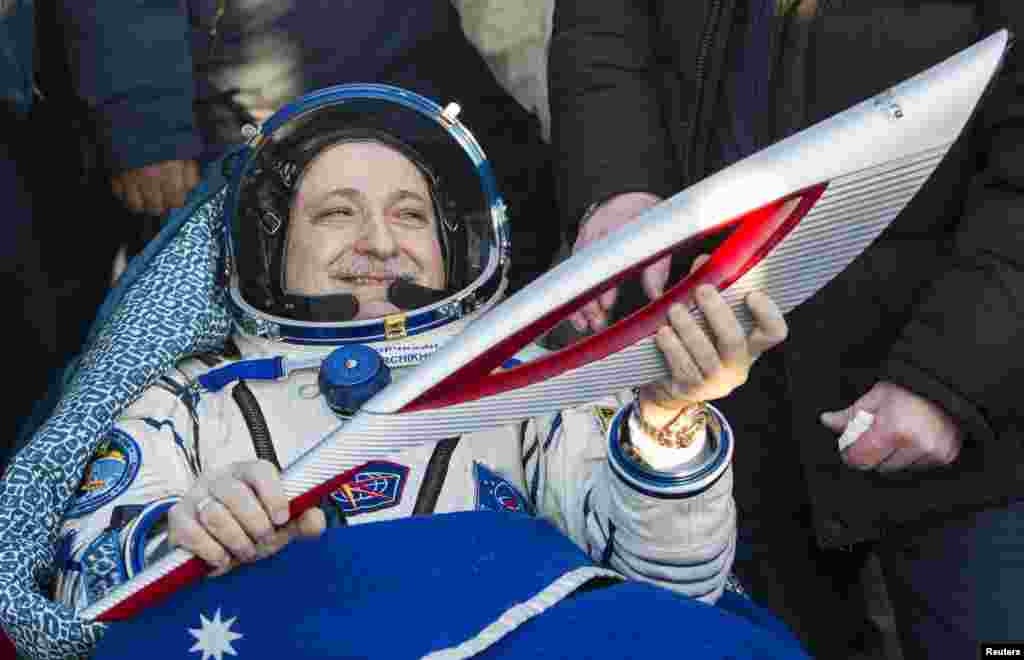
{"points": [[335, 307], [406, 294]]}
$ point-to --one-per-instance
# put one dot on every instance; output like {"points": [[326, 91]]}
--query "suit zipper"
{"points": [[714, 15], [705, 43]]}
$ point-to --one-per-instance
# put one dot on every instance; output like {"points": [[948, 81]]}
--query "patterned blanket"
{"points": [[168, 304]]}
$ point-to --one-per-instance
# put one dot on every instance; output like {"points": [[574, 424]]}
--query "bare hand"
{"points": [[157, 188], [908, 431], [610, 216], [706, 368], [238, 514]]}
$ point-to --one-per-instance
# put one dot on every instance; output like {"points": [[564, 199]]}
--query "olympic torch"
{"points": [[800, 211]]}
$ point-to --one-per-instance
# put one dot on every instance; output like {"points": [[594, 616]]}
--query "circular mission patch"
{"points": [[111, 471]]}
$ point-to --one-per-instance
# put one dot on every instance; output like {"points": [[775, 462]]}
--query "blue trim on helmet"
{"points": [[432, 319], [361, 91], [414, 325], [498, 210], [372, 331], [360, 334]]}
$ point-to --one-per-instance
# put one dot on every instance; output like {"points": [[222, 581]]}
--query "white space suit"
{"points": [[578, 468], [556, 467]]}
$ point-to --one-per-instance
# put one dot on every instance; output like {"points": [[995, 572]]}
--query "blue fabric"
{"points": [[747, 92], [638, 620], [403, 588], [17, 31], [169, 304], [341, 42], [957, 583], [131, 61], [261, 369], [144, 64]]}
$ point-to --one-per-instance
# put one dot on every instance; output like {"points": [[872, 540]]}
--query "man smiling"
{"points": [[363, 218], [363, 227]]}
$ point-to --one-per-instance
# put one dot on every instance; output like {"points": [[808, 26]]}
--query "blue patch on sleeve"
{"points": [[138, 532], [111, 471], [378, 485], [495, 493], [103, 567]]}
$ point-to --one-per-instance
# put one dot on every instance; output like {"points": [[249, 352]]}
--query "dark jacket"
{"points": [[142, 65], [159, 75], [16, 43], [130, 61], [936, 304]]}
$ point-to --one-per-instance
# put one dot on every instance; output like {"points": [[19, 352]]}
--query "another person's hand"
{"points": [[156, 188], [706, 368], [907, 431], [238, 514], [608, 217]]}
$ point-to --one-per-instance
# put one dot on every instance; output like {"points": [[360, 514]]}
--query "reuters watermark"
{"points": [[1001, 650]]}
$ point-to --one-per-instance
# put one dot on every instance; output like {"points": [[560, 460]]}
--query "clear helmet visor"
{"points": [[359, 204]]}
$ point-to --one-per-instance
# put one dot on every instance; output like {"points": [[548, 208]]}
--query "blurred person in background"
{"points": [[919, 332], [22, 275], [59, 242], [173, 82]]}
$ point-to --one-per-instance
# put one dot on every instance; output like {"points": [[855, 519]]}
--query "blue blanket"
{"points": [[502, 585]]}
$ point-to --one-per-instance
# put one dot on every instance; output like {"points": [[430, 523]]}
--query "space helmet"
{"points": [[468, 211]]}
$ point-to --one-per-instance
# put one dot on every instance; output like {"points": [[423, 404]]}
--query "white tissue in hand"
{"points": [[860, 423]]}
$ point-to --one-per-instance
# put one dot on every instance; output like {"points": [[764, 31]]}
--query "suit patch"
{"points": [[604, 416], [495, 493], [91, 571], [111, 471], [377, 486]]}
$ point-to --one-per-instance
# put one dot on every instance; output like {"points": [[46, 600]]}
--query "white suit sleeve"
{"points": [[116, 523], [674, 529]]}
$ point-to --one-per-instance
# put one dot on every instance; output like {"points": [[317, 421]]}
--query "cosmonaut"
{"points": [[357, 222]]}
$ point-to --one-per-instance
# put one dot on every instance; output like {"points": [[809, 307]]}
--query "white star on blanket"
{"points": [[215, 637]]}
